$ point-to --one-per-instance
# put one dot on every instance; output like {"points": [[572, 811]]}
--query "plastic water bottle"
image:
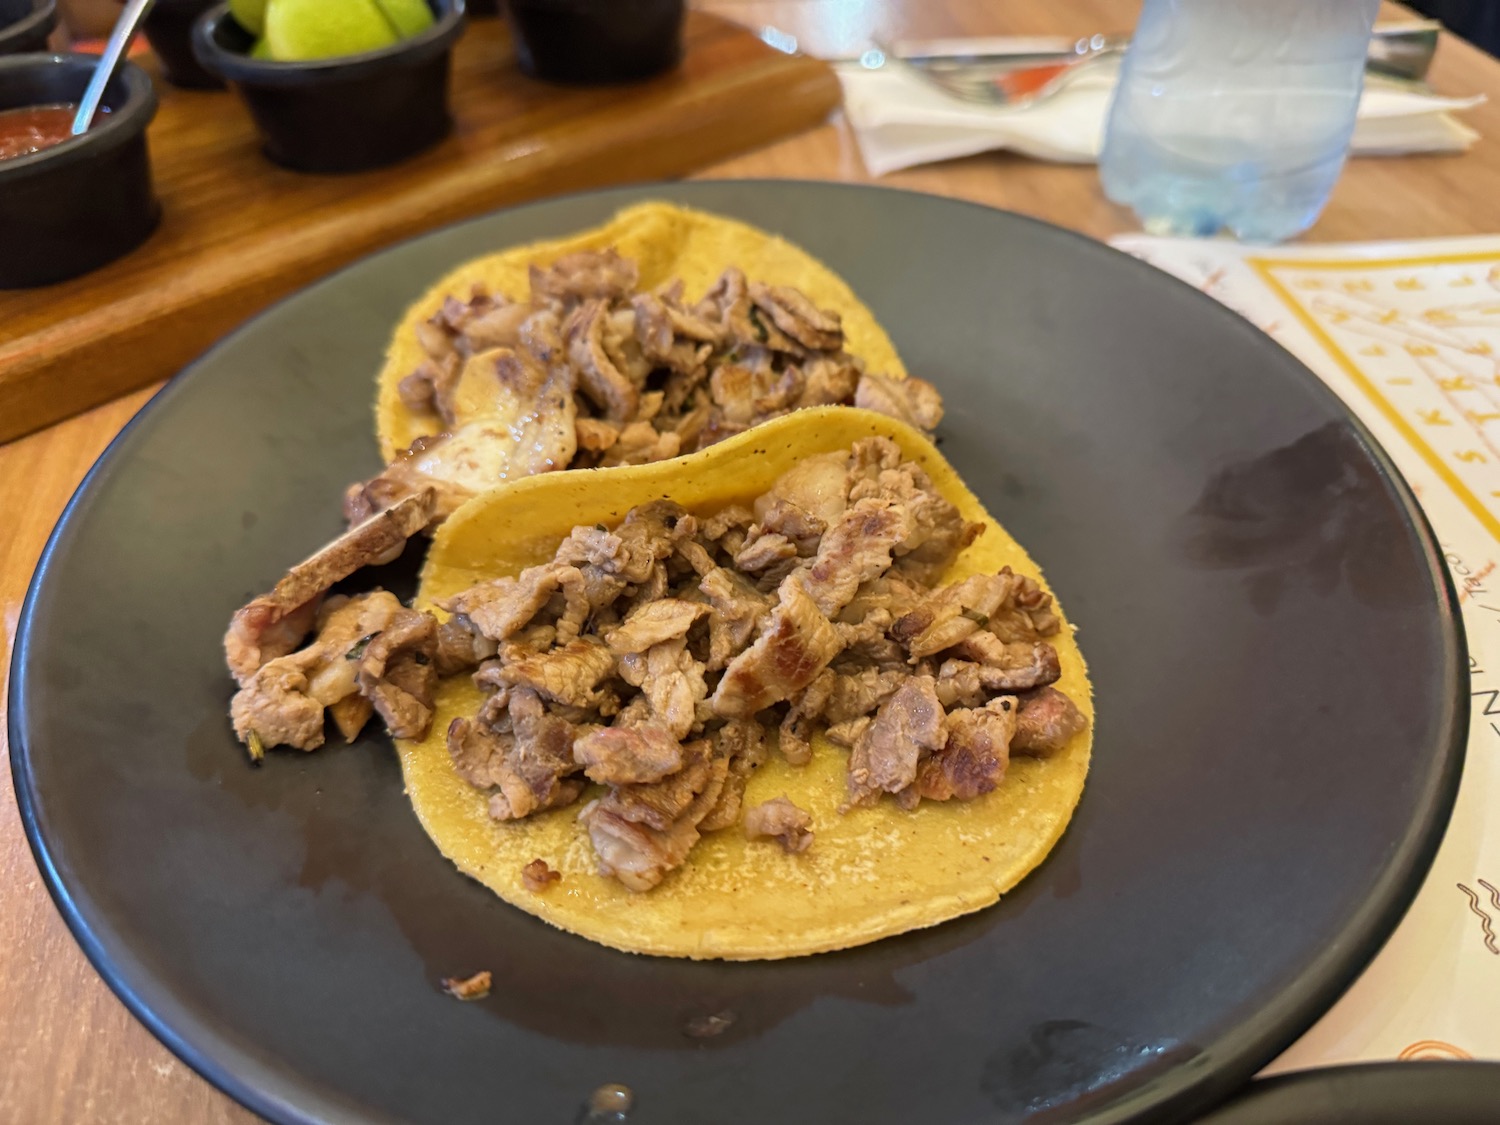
{"points": [[1236, 113]]}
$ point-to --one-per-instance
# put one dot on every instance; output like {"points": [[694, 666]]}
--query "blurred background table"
{"points": [[72, 1053]]}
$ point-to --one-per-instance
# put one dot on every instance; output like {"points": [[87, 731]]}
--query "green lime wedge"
{"points": [[298, 30], [408, 17], [249, 14]]}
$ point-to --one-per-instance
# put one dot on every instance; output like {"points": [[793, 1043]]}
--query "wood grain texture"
{"points": [[71, 1052], [239, 232]]}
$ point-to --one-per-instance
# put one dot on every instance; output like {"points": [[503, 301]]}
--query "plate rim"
{"points": [[1236, 1056]]}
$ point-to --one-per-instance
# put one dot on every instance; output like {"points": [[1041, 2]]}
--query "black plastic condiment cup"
{"points": [[342, 114], [25, 25], [596, 42], [169, 30], [71, 208]]}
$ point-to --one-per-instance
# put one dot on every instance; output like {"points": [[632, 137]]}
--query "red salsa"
{"points": [[33, 128]]}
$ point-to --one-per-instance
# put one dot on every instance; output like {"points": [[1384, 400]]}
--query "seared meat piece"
{"points": [[828, 380], [791, 311], [856, 549], [727, 304], [669, 335], [936, 529], [860, 692], [569, 675], [891, 595], [796, 644], [478, 751], [531, 764], [533, 430], [743, 743], [783, 821], [657, 804], [794, 739], [429, 389], [476, 987], [274, 708], [595, 435], [640, 443], [867, 640], [1028, 615], [651, 622], [911, 400], [605, 384], [621, 755], [1046, 721], [869, 457], [583, 275], [537, 877], [274, 624], [744, 396], [973, 760], [640, 856], [1009, 667], [786, 519], [397, 673], [763, 550], [736, 517], [502, 607], [948, 615], [736, 609], [847, 734], [460, 646], [631, 551], [819, 485], [671, 680], [458, 330], [884, 760], [283, 702]]}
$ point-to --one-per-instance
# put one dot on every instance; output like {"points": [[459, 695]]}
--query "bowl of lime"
{"points": [[336, 85]]}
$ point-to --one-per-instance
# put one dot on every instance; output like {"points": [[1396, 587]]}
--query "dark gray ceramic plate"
{"points": [[1397, 1093], [1273, 639]]}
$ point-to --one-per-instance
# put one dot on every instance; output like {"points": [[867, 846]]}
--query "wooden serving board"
{"points": [[238, 232]]}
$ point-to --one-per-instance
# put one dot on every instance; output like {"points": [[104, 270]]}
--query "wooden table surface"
{"points": [[72, 1054]]}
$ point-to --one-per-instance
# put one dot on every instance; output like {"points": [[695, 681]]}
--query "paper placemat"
{"points": [[1408, 334]]}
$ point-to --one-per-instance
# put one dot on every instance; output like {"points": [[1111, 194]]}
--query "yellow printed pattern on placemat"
{"points": [[1421, 338]]}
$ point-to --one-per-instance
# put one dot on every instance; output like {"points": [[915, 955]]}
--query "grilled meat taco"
{"points": [[659, 333], [793, 693]]}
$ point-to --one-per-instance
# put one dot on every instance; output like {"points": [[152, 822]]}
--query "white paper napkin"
{"points": [[900, 120]]}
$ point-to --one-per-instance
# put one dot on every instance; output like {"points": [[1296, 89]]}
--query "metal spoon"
{"points": [[119, 42]]}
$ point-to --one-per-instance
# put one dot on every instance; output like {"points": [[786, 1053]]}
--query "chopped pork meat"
{"points": [[622, 755], [914, 401], [972, 761], [589, 370], [1019, 666], [1045, 723], [783, 821], [796, 644], [537, 877], [885, 758], [639, 855], [369, 648], [652, 622], [658, 657], [275, 624], [742, 742]]}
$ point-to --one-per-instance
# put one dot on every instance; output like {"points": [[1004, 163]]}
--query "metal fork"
{"points": [[1400, 53]]}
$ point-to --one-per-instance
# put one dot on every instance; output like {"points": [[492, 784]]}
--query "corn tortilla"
{"points": [[666, 242], [870, 873]]}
